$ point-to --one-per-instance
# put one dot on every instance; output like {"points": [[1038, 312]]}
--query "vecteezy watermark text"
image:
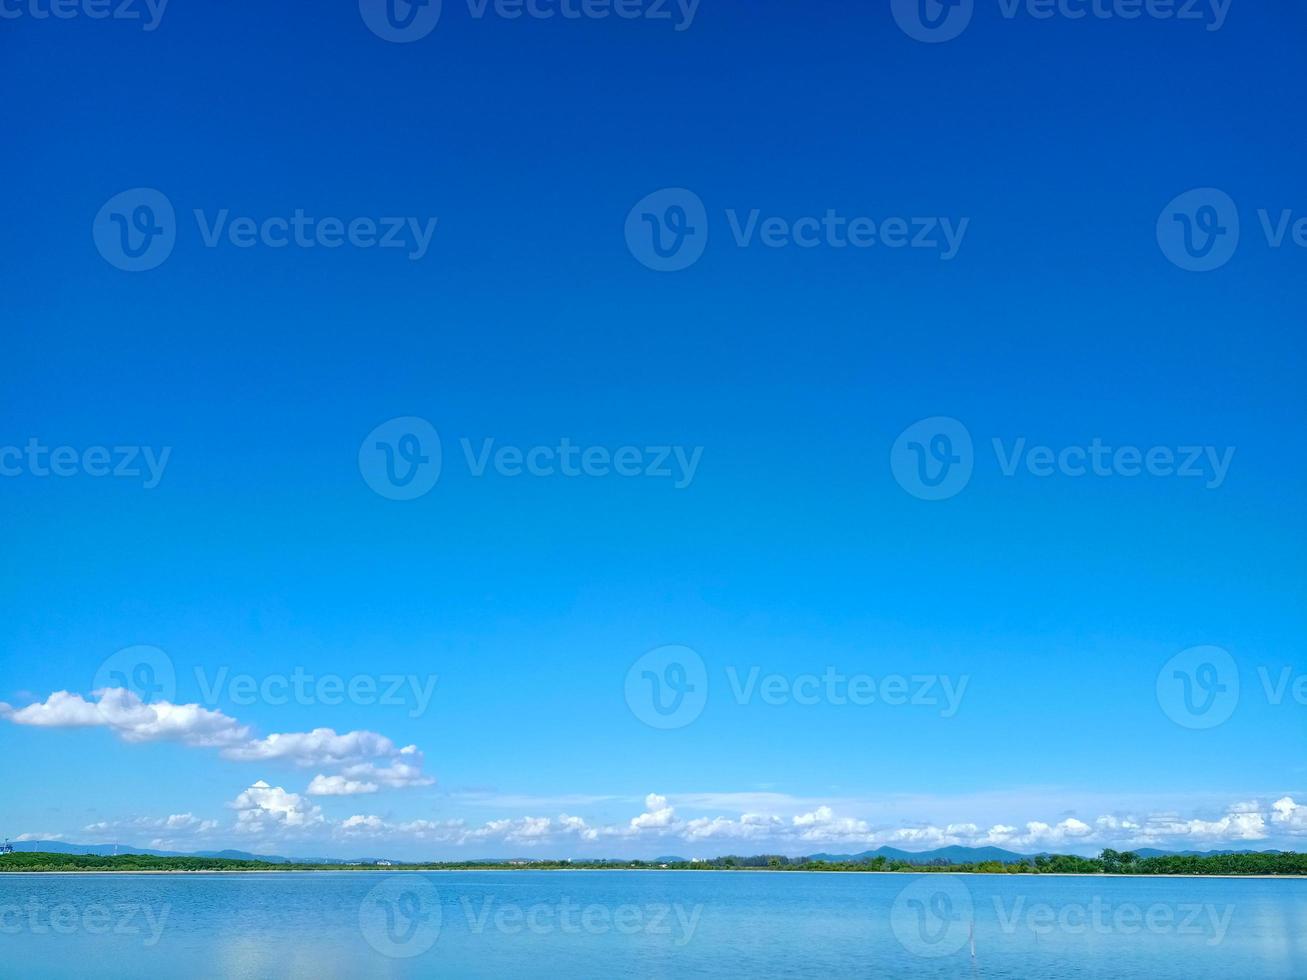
{"points": [[302, 687], [149, 673], [1207, 463], [405, 21], [1284, 683], [668, 688], [668, 230], [680, 13], [934, 458], [934, 21], [1103, 918], [137, 229], [569, 918], [122, 462], [305, 231], [402, 917], [402, 459], [97, 919], [676, 463], [147, 12], [834, 230], [861, 690]]}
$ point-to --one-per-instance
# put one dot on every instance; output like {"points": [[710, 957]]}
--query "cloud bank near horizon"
{"points": [[271, 816], [359, 763]]}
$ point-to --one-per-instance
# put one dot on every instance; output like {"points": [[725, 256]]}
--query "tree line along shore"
{"points": [[1108, 862]]}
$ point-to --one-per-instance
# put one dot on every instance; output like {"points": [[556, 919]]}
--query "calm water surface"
{"points": [[648, 924]]}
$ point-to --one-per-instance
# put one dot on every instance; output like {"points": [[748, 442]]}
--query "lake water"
{"points": [[648, 924]]}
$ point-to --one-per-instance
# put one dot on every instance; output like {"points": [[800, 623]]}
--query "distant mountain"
{"points": [[950, 855], [971, 855], [940, 855], [230, 855], [60, 847], [1151, 852]]}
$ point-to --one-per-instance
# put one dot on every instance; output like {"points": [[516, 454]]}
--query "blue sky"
{"points": [[531, 317]]}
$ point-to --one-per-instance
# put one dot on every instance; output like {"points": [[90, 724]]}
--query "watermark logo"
{"points": [[401, 459], [566, 917], [667, 230], [401, 916], [933, 916], [400, 21], [96, 919], [135, 230], [667, 687], [932, 459], [145, 670], [567, 459], [932, 21], [832, 687], [412, 691], [36, 459], [1103, 918], [1199, 687], [1210, 13], [1285, 683], [150, 674], [148, 12], [1199, 230]]}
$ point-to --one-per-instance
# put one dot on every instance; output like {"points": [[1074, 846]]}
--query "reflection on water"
{"points": [[649, 924]]}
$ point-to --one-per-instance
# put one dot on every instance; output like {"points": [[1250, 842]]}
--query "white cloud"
{"points": [[1237, 825], [176, 832], [750, 826], [377, 828], [357, 753], [821, 828], [404, 771], [1288, 816], [59, 710], [368, 777], [264, 809], [274, 812], [176, 823], [822, 825], [320, 747], [358, 822], [578, 826], [1038, 835], [132, 719], [321, 785], [657, 816]]}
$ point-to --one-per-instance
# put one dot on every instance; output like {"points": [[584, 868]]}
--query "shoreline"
{"points": [[400, 870]]}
